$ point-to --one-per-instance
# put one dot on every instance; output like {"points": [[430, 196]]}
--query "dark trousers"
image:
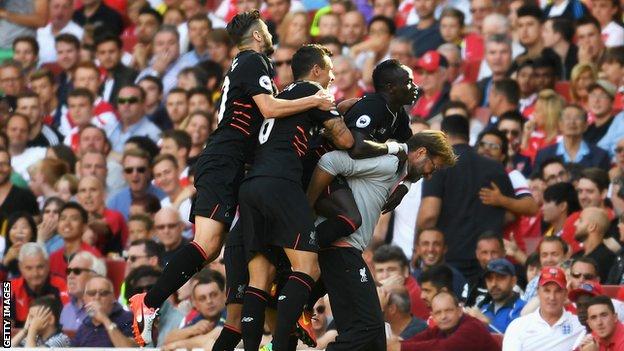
{"points": [[354, 301]]}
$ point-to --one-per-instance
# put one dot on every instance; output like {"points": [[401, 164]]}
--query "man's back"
{"points": [[458, 188]]}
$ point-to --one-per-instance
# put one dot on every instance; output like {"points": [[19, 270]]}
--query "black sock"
{"points": [[318, 291], [289, 306], [179, 270], [333, 229], [252, 317], [228, 339]]}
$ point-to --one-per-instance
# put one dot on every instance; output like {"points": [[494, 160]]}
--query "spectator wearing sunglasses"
{"points": [[133, 120], [138, 176], [168, 227], [73, 221], [80, 269], [107, 324]]}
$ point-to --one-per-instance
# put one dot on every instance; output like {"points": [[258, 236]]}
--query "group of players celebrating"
{"points": [[305, 213]]}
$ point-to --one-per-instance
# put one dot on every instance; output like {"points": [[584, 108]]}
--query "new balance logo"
{"points": [[363, 277], [281, 297], [247, 319]]}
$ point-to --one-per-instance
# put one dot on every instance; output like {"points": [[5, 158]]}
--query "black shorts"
{"points": [[275, 212], [217, 179]]}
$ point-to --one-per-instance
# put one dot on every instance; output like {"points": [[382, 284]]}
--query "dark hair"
{"points": [[135, 86], [149, 201], [198, 73], [500, 135], [432, 229], [533, 260], [512, 115], [455, 104], [16, 216], [200, 91], [563, 26], [509, 89], [200, 17], [53, 200], [30, 40], [26, 95], [587, 260], [552, 239], [213, 71], [614, 55], [42, 73], [239, 26], [329, 40], [491, 235], [108, 37], [180, 137], [307, 57], [387, 21], [531, 11], [550, 161], [149, 223], [76, 206], [147, 10], [53, 304], [440, 276], [154, 80], [152, 248], [211, 276], [455, 13], [165, 157], [385, 74], [69, 39], [546, 60], [456, 125], [136, 274], [66, 154], [81, 92], [563, 192], [387, 253], [598, 176], [588, 19], [146, 144], [601, 300]]}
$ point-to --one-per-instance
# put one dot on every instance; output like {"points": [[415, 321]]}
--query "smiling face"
{"points": [[166, 176], [20, 232], [71, 225], [136, 173], [430, 247]]}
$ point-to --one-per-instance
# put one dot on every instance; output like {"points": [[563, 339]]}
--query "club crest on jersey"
{"points": [[363, 277], [313, 237], [363, 121], [265, 82], [334, 112]]}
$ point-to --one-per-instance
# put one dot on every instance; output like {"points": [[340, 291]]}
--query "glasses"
{"points": [[130, 170], [77, 271], [128, 100], [133, 259], [320, 309], [487, 145], [619, 149], [515, 133], [281, 63], [585, 276], [167, 226], [102, 293], [146, 288]]}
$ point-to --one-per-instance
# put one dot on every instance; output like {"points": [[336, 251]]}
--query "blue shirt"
{"points": [[414, 327], [614, 134], [169, 78], [54, 243], [72, 315], [582, 152], [89, 335], [192, 58], [144, 127], [500, 320], [122, 200]]}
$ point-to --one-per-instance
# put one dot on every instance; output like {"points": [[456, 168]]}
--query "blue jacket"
{"points": [[594, 156], [500, 320]]}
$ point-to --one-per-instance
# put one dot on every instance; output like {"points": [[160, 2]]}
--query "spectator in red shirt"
{"points": [[346, 80], [72, 224], [35, 282], [454, 330], [432, 68], [607, 331]]}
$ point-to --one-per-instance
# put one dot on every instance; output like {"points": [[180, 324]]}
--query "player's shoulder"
{"points": [[300, 89], [250, 60], [370, 103]]}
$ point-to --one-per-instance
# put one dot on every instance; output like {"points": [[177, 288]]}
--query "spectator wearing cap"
{"points": [[591, 227], [502, 304], [425, 35], [607, 332], [585, 289], [60, 14], [572, 148], [552, 251], [550, 327], [432, 67], [607, 128]]}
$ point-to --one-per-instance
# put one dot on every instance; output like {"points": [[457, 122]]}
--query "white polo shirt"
{"points": [[532, 332]]}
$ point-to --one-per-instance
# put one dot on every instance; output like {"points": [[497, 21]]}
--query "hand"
{"points": [[393, 280], [324, 101], [12, 253], [46, 229], [393, 343], [511, 247], [585, 53], [94, 309], [476, 313], [162, 61], [202, 327], [40, 320], [384, 297], [395, 198], [491, 196], [529, 127], [139, 55], [588, 344]]}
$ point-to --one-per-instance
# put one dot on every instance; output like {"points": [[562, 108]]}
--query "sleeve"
{"points": [[337, 162], [256, 78], [318, 116], [519, 183], [511, 341], [504, 184], [363, 118], [403, 131], [457, 341], [435, 186]]}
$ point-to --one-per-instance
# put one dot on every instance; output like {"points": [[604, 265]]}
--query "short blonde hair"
{"points": [[436, 143]]}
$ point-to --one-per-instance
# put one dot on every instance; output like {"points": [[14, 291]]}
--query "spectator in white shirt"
{"points": [[606, 12], [61, 12], [22, 157], [167, 177], [550, 327]]}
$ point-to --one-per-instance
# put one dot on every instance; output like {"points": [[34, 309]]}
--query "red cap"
{"points": [[589, 287], [553, 275], [431, 61]]}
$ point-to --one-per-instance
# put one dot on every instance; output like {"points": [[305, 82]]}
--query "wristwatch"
{"points": [[111, 327]]}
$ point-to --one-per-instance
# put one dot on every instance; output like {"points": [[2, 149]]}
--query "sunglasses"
{"points": [[77, 271], [128, 100], [130, 170], [585, 276], [281, 63], [320, 309]]}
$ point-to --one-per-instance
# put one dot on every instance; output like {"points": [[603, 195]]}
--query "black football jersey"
{"points": [[284, 141], [372, 117], [239, 118]]}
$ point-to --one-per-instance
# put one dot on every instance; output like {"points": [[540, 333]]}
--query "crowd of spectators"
{"points": [[106, 106]]}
